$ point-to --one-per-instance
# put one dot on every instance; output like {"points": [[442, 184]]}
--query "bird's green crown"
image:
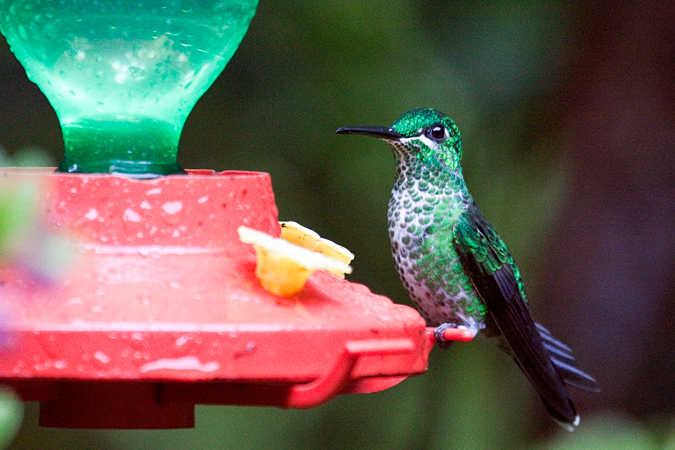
{"points": [[430, 136]]}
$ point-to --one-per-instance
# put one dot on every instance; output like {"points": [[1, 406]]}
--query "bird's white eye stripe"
{"points": [[416, 139], [428, 142]]}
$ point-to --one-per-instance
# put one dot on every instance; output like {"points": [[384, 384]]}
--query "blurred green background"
{"points": [[568, 122]]}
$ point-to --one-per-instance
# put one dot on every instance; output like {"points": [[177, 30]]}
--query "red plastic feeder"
{"points": [[162, 310]]}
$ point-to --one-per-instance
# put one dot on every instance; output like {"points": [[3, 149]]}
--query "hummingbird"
{"points": [[454, 265]]}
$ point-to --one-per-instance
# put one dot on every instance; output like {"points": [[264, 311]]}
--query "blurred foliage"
{"points": [[11, 414], [24, 238], [607, 432], [26, 157], [17, 215], [23, 241], [308, 67]]}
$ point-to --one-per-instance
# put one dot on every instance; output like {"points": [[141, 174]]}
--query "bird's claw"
{"points": [[440, 339], [448, 333]]}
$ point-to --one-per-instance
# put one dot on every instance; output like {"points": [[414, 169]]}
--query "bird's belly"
{"points": [[433, 275], [441, 305]]}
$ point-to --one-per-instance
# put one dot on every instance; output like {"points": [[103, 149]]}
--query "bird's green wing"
{"points": [[495, 278]]}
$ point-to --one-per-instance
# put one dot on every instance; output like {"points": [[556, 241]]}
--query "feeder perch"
{"points": [[162, 309]]}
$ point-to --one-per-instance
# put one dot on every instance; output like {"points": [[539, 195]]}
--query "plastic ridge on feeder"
{"points": [[458, 334]]}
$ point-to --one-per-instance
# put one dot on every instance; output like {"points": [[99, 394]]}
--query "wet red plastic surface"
{"points": [[162, 311]]}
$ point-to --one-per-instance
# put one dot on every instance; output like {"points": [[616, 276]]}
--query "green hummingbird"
{"points": [[454, 265]]}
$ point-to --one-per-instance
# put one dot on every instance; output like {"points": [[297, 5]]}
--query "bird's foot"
{"points": [[439, 332], [448, 333]]}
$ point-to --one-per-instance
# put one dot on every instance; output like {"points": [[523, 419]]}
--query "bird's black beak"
{"points": [[378, 132]]}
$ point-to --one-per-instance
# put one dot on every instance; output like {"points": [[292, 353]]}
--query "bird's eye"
{"points": [[436, 132]]}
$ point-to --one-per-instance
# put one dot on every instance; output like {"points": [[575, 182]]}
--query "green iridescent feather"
{"points": [[475, 236]]}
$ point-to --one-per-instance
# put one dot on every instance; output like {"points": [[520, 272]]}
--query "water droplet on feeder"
{"points": [[100, 356], [92, 214], [172, 207], [131, 216], [137, 73]]}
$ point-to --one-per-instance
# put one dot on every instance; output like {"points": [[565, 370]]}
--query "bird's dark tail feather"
{"points": [[564, 363]]}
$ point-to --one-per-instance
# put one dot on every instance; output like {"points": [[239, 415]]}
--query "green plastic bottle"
{"points": [[123, 75]]}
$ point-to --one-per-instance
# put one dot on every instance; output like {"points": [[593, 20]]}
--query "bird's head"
{"points": [[422, 135]]}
